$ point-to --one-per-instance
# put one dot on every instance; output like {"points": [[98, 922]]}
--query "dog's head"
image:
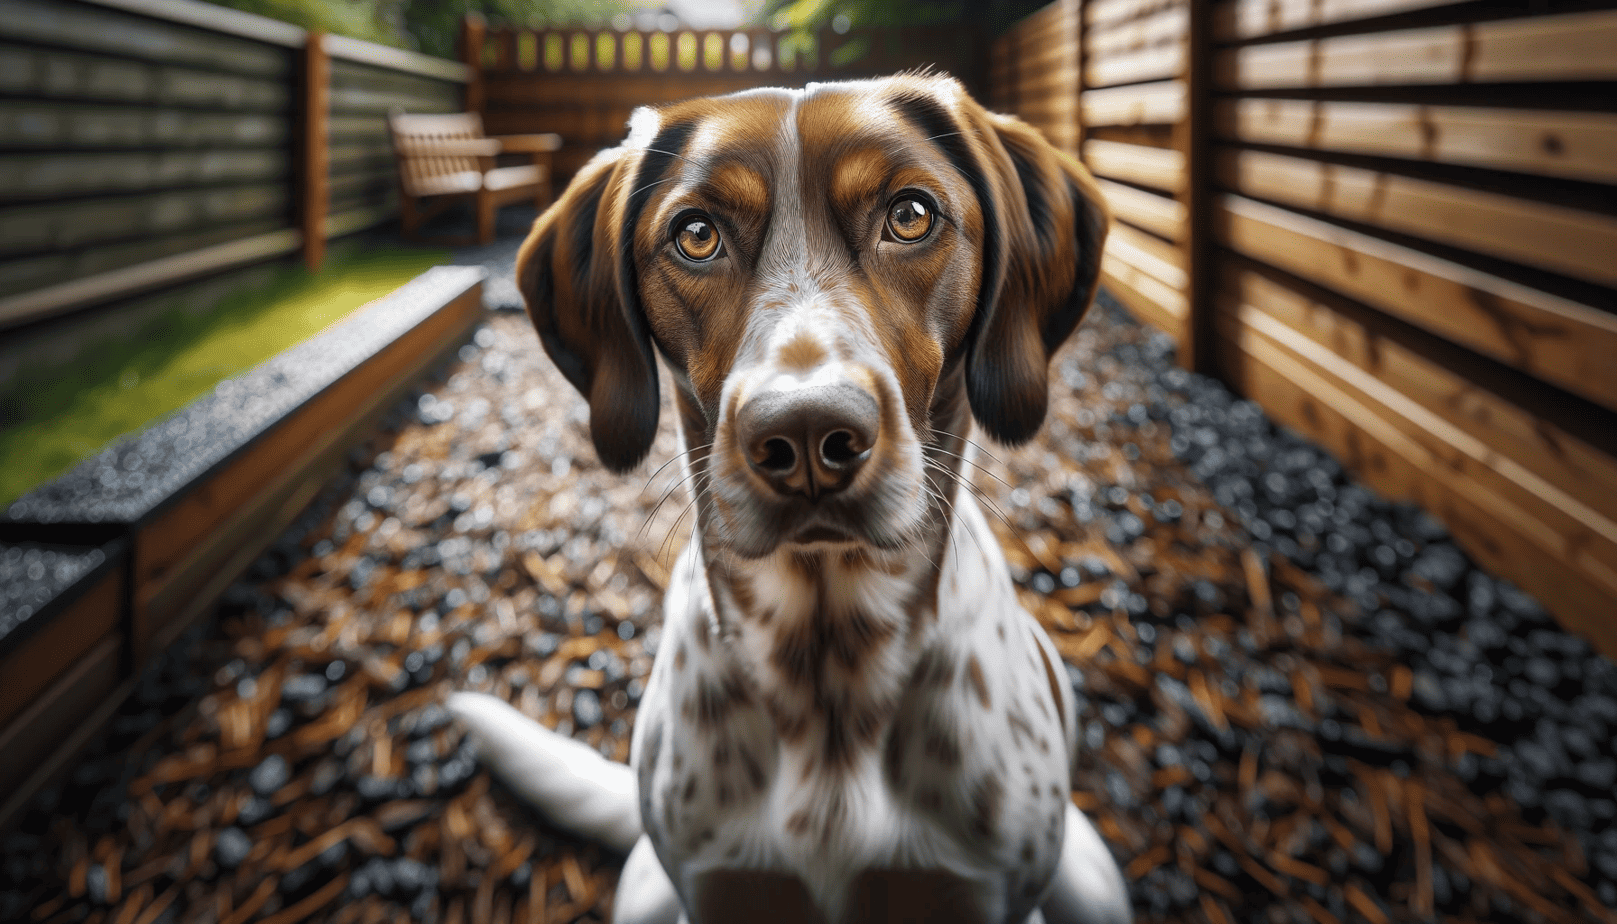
{"points": [[824, 272]]}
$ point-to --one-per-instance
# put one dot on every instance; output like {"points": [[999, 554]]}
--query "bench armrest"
{"points": [[529, 144]]}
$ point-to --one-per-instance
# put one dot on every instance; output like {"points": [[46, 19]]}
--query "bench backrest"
{"points": [[415, 141]]}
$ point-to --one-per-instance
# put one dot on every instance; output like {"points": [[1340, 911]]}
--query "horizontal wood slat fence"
{"points": [[147, 142], [1391, 222]]}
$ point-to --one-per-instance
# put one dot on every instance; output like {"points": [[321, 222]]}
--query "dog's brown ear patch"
{"points": [[583, 304], [1052, 227]]}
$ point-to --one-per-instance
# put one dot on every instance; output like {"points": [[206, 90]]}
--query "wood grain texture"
{"points": [[1569, 47], [1142, 66], [1158, 214], [1150, 254], [1140, 104], [1167, 299], [1245, 19], [1552, 237], [1159, 168], [1160, 28], [1098, 13], [1554, 339], [1575, 145], [314, 201], [51, 652]]}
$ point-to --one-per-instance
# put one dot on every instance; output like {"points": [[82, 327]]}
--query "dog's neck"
{"points": [[828, 639]]}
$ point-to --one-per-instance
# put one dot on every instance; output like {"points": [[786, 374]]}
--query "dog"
{"points": [[850, 718]]}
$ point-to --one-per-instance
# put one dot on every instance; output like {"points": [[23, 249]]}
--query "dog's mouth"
{"points": [[755, 526], [814, 534]]}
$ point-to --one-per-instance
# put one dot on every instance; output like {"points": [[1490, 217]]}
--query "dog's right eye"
{"points": [[696, 237]]}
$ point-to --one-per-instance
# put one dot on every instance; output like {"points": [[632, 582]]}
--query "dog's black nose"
{"points": [[809, 441]]}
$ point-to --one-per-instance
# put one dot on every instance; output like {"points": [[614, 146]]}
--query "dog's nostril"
{"points": [[838, 448], [779, 455]]}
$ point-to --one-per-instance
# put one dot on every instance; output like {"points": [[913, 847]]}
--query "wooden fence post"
{"points": [[1194, 136], [473, 33], [1076, 11], [316, 198]]}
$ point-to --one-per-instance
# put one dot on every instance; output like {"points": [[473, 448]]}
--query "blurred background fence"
{"points": [[583, 84], [1391, 222], [156, 154]]}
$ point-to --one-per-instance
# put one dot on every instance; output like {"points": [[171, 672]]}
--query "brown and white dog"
{"points": [[850, 717]]}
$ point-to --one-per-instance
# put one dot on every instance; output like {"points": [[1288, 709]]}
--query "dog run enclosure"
{"points": [[1391, 222], [145, 537]]}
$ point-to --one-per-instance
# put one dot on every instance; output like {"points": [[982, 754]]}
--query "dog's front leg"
{"points": [[1088, 887]]}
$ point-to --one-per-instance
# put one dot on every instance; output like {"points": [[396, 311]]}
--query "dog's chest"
{"points": [[929, 758]]}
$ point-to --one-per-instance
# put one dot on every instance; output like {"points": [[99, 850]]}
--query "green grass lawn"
{"points": [[122, 386]]}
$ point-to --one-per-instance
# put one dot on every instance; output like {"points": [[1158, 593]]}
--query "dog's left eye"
{"points": [[909, 218], [696, 238]]}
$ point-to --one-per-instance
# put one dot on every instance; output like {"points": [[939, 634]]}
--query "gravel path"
{"points": [[1300, 702]]}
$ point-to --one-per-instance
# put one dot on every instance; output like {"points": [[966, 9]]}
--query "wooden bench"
{"points": [[445, 158]]}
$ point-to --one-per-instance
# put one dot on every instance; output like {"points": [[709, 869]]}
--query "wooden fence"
{"points": [[144, 143], [1393, 223], [583, 84]]}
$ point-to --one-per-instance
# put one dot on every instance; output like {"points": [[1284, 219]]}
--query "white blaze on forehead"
{"points": [[643, 126]]}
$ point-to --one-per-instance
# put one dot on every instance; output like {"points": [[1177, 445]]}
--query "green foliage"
{"points": [[810, 15], [122, 385], [429, 26]]}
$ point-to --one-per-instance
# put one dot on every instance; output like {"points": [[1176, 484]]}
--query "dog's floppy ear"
{"points": [[575, 276], [1048, 225]]}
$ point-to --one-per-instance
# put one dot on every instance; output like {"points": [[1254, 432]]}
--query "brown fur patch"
{"points": [[941, 745], [987, 796], [802, 354], [798, 823], [755, 773], [715, 698], [1055, 690], [933, 668], [979, 683]]}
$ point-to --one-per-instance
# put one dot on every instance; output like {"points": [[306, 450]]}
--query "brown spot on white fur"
{"points": [[801, 354], [979, 684]]}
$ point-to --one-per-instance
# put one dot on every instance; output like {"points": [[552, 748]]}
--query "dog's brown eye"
{"points": [[909, 219], [696, 238]]}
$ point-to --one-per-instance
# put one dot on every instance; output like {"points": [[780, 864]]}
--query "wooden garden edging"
{"points": [[143, 537], [1392, 223]]}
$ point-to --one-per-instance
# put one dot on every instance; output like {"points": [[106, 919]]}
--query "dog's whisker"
{"points": [[669, 153], [970, 442], [988, 501], [975, 465], [995, 509], [688, 479], [953, 519], [649, 185], [671, 461], [696, 496], [666, 546]]}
